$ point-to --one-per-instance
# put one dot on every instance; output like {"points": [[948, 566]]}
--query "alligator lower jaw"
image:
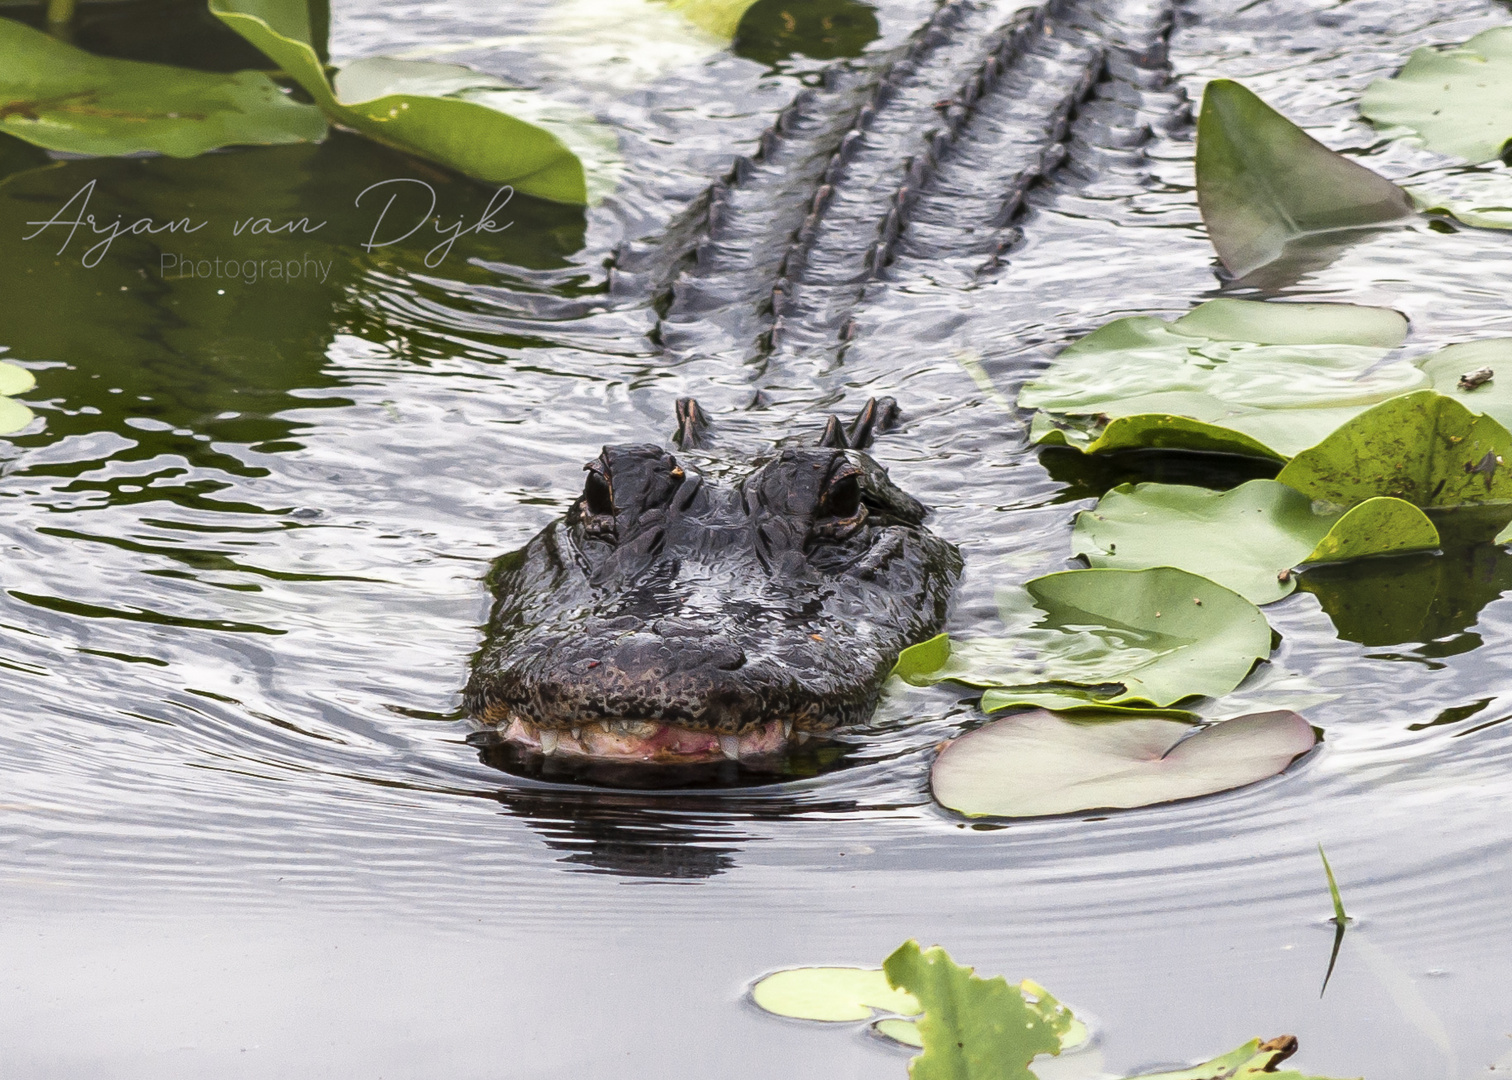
{"points": [[648, 741]]}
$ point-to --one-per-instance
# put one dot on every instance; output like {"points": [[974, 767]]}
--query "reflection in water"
{"points": [[1091, 476], [1427, 600], [773, 30]]}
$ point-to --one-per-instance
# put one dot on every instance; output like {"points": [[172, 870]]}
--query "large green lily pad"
{"points": [[1103, 637], [1491, 396], [1263, 182], [1424, 447], [444, 112], [1233, 376], [1245, 539], [1037, 764], [973, 1028], [832, 994], [1458, 100], [62, 98], [14, 379]]}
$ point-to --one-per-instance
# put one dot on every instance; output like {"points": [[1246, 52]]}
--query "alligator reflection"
{"points": [[1428, 600], [664, 821]]}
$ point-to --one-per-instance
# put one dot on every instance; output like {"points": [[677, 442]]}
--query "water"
{"points": [[246, 831]]}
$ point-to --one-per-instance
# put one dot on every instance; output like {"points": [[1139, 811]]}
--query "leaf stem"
{"points": [[60, 13]]}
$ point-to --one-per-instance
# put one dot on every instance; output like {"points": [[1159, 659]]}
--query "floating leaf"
{"points": [[1038, 764], [1478, 195], [443, 112], [1423, 447], [832, 993], [1252, 1061], [62, 98], [1104, 637], [973, 1028], [1457, 99], [1449, 369], [1232, 376], [1263, 182], [14, 379], [1242, 539]]}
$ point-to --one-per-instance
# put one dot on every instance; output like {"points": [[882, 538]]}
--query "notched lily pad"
{"points": [[62, 98], [1263, 182], [1231, 376], [1103, 637], [1037, 764], [1245, 539], [832, 994], [1457, 99]]}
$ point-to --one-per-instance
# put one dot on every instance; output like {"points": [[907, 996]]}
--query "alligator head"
{"points": [[671, 617]]}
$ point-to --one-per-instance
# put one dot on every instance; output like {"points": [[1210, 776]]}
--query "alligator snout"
{"points": [[673, 617]]}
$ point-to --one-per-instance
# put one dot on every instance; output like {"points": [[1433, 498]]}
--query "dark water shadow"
{"points": [[773, 30], [1091, 476]]}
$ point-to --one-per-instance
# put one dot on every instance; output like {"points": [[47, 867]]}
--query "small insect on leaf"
{"points": [[1470, 380]]}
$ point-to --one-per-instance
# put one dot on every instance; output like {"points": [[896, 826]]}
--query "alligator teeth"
{"points": [[787, 728], [549, 741], [603, 726], [729, 746], [577, 733]]}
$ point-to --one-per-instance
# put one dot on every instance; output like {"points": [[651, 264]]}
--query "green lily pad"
{"points": [[1252, 1061], [1263, 182], [1103, 637], [1477, 195], [62, 98], [1491, 396], [443, 112], [1458, 100], [1423, 447], [1231, 376], [14, 379], [907, 1031], [1037, 764], [832, 993], [973, 1028], [1245, 539]]}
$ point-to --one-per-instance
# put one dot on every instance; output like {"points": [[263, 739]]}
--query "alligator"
{"points": [[682, 614], [674, 617]]}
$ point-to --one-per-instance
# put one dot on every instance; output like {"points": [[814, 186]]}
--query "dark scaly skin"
{"points": [[764, 608]]}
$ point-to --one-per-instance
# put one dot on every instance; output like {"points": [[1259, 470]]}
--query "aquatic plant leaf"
{"points": [[717, 17], [1252, 1061], [1104, 637], [832, 993], [443, 112], [1231, 376], [1037, 764], [1467, 361], [13, 416], [1458, 99], [972, 1028], [15, 379], [1423, 447], [1477, 195], [62, 98], [1263, 182], [1244, 539]]}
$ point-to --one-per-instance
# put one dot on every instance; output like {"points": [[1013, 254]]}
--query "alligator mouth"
{"points": [[649, 741]]}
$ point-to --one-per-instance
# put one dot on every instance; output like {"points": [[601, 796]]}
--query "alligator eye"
{"points": [[842, 499], [598, 496]]}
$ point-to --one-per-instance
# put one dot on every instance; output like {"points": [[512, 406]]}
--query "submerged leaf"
{"points": [[973, 1028], [1244, 539], [62, 98], [1263, 182], [1458, 99], [1232, 376], [1104, 637], [831, 993], [1037, 764], [443, 112], [1424, 447]]}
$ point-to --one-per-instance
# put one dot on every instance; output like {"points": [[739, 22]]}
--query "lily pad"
{"points": [[443, 112], [1456, 373], [1477, 195], [1233, 376], [1252, 1061], [1037, 764], [1244, 539], [14, 379], [832, 993], [62, 98], [973, 1028], [1458, 100], [1424, 447], [1263, 182], [1103, 637]]}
